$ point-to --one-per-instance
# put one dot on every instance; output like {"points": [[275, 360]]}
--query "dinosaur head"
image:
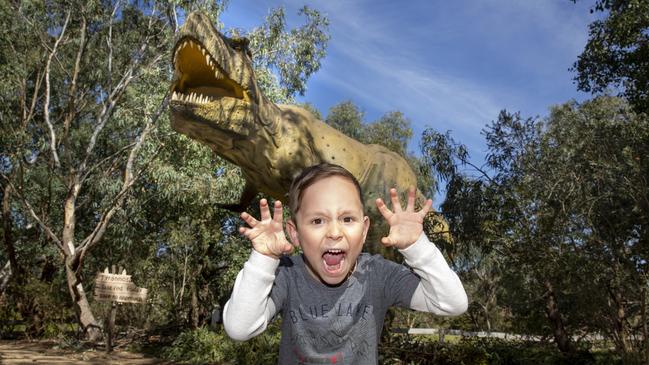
{"points": [[215, 98]]}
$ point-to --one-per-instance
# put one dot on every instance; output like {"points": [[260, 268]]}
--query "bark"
{"points": [[82, 308], [554, 316], [620, 329], [645, 331], [194, 316], [7, 223], [5, 275]]}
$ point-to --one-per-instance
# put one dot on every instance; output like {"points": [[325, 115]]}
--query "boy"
{"points": [[332, 298]]}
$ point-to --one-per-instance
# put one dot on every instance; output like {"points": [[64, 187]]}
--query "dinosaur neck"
{"points": [[269, 117]]}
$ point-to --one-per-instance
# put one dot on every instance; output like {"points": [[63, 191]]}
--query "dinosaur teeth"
{"points": [[191, 98]]}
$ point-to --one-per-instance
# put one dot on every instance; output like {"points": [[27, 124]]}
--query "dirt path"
{"points": [[47, 352]]}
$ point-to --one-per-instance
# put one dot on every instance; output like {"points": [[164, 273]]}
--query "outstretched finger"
{"points": [[394, 198], [383, 209], [426, 208], [386, 241], [250, 220], [247, 232], [411, 199], [277, 212], [263, 208]]}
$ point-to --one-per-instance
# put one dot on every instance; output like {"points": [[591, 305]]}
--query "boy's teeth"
{"points": [[333, 257]]}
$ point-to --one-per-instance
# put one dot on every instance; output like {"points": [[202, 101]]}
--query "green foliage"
{"points": [[392, 130], [404, 349], [284, 60], [617, 52], [347, 118], [35, 308], [548, 233], [202, 346]]}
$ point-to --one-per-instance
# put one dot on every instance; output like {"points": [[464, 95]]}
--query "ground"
{"points": [[50, 352]]}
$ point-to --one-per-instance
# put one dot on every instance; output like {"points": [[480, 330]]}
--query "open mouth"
{"points": [[199, 78], [333, 261]]}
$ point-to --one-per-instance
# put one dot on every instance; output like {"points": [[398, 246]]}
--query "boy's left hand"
{"points": [[405, 225]]}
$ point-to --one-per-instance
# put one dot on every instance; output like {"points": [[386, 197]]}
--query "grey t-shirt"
{"points": [[337, 325]]}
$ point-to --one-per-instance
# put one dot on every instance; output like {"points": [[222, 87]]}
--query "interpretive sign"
{"points": [[118, 288]]}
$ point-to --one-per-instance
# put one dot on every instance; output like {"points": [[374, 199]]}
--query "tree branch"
{"points": [[95, 166], [109, 42], [129, 179], [46, 106], [107, 110], [50, 234], [73, 89]]}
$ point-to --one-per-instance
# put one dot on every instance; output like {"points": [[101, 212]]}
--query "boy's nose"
{"points": [[334, 231]]}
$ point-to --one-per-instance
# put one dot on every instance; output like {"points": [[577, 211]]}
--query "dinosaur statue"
{"points": [[216, 101]]}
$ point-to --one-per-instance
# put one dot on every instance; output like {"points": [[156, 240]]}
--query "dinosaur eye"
{"points": [[241, 44]]}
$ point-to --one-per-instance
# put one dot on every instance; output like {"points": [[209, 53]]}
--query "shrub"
{"points": [[202, 346], [405, 349]]}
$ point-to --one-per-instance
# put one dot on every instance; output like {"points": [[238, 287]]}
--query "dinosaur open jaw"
{"points": [[199, 78]]}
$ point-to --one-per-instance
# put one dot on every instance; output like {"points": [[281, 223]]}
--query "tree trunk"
{"points": [[645, 331], [622, 344], [7, 230], [5, 275], [554, 315], [85, 317], [194, 315]]}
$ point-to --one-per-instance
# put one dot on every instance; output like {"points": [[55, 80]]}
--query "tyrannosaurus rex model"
{"points": [[216, 100]]}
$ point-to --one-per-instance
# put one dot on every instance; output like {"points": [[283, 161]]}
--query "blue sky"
{"points": [[449, 65]]}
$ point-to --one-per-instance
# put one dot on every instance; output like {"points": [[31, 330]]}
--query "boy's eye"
{"points": [[317, 221], [348, 219]]}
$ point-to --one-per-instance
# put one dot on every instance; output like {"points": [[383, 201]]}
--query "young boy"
{"points": [[332, 298]]}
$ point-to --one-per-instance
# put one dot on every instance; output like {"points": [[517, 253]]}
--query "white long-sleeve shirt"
{"points": [[331, 318]]}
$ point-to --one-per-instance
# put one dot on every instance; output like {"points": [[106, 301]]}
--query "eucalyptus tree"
{"points": [[472, 208], [348, 118], [83, 100], [194, 251], [68, 136], [596, 180], [573, 189], [617, 52]]}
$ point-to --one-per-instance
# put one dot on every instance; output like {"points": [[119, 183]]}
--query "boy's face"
{"points": [[331, 228]]}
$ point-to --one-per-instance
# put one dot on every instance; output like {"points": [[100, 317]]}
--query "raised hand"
{"points": [[267, 235], [405, 225]]}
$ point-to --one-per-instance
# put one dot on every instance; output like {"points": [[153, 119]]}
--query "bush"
{"points": [[405, 349], [202, 346], [199, 346]]}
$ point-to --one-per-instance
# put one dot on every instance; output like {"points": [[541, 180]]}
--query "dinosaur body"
{"points": [[216, 100]]}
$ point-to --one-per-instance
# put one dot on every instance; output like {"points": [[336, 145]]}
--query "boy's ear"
{"points": [[292, 233], [366, 227]]}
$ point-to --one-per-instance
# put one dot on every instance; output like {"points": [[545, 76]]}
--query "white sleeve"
{"points": [[250, 308], [440, 290]]}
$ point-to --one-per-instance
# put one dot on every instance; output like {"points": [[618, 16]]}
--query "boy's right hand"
{"points": [[267, 235]]}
